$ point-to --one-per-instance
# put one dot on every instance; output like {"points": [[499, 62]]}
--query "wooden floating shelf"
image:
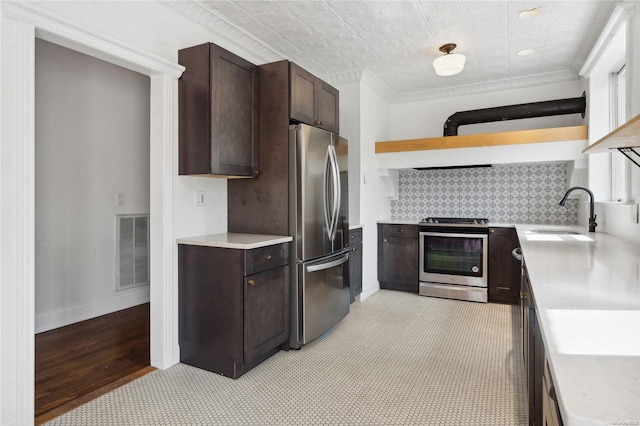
{"points": [[625, 136], [556, 134]]}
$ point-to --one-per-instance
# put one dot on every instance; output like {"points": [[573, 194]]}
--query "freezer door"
{"points": [[320, 192], [323, 295]]}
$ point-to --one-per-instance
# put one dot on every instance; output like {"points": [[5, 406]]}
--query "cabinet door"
{"points": [[400, 260], [313, 101], [328, 108], [550, 409], [355, 271], [304, 87], [504, 269], [398, 251], [266, 311], [234, 114], [218, 113]]}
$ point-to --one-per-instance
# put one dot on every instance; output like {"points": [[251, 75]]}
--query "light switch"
{"points": [[120, 198], [200, 198]]}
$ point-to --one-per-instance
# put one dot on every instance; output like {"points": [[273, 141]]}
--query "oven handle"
{"points": [[447, 234]]}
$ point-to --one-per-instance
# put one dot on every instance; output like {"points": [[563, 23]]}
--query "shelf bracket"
{"points": [[627, 152]]}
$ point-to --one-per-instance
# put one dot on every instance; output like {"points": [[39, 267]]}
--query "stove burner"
{"points": [[442, 221]]}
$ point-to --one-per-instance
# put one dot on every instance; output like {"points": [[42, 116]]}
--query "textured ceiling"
{"points": [[393, 43]]}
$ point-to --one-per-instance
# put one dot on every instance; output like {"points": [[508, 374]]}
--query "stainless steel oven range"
{"points": [[453, 258]]}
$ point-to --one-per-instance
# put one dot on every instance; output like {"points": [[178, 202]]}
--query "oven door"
{"points": [[451, 258]]}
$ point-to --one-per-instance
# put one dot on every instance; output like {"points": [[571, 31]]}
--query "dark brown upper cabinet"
{"points": [[218, 112], [313, 101]]}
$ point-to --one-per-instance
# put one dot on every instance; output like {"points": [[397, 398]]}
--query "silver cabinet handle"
{"points": [[517, 253]]}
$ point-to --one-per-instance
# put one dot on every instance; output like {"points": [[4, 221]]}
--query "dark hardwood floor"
{"points": [[75, 361]]}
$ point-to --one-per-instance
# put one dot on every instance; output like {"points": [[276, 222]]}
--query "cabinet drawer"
{"points": [[355, 236], [265, 258], [400, 231]]}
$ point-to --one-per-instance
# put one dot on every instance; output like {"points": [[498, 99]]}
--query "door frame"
{"points": [[20, 24]]}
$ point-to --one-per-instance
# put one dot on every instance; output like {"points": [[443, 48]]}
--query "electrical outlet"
{"points": [[200, 198], [120, 199]]}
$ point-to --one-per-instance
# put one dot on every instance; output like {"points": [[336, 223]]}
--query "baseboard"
{"points": [[369, 291], [57, 319], [176, 355]]}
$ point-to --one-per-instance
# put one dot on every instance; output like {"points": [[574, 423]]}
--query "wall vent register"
{"points": [[132, 251]]}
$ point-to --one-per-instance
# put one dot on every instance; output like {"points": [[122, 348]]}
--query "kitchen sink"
{"points": [[554, 231]]}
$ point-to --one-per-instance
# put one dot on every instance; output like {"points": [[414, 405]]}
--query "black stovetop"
{"points": [[463, 221]]}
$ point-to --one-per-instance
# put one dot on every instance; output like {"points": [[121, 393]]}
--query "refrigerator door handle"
{"points": [[328, 265], [336, 192], [327, 175]]}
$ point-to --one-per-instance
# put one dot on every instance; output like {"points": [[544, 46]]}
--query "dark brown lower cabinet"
{"points": [[233, 306], [398, 248], [355, 263], [550, 409], [504, 269], [543, 409]]}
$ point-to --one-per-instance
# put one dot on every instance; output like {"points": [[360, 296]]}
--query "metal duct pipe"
{"points": [[513, 112]]}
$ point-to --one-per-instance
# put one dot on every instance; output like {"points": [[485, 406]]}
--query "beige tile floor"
{"points": [[396, 359]]}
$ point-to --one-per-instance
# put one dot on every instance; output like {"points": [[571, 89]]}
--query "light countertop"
{"points": [[235, 241], [399, 221], [587, 293]]}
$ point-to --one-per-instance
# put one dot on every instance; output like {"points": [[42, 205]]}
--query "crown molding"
{"points": [[620, 15], [492, 86], [362, 76], [228, 35], [344, 78], [373, 82]]}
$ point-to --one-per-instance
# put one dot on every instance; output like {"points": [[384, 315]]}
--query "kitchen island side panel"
{"points": [[211, 312], [261, 205]]}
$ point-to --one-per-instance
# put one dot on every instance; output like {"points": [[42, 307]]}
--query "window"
{"points": [[620, 170]]}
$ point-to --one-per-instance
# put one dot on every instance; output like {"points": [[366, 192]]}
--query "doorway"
{"points": [[92, 161]]}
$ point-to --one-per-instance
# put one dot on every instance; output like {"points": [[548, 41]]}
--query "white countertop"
{"points": [[399, 221], [235, 241], [587, 295]]}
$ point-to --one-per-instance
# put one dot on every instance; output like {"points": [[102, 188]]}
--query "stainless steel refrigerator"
{"points": [[319, 208]]}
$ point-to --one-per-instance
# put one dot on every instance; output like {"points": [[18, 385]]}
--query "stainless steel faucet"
{"points": [[592, 216]]}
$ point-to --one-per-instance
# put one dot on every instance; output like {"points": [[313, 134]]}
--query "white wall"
{"points": [[350, 128], [374, 205], [92, 140], [425, 119]]}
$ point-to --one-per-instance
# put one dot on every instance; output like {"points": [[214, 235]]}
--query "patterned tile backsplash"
{"points": [[511, 193]]}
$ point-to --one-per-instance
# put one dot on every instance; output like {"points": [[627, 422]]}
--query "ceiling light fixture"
{"points": [[450, 63], [526, 52], [532, 12]]}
